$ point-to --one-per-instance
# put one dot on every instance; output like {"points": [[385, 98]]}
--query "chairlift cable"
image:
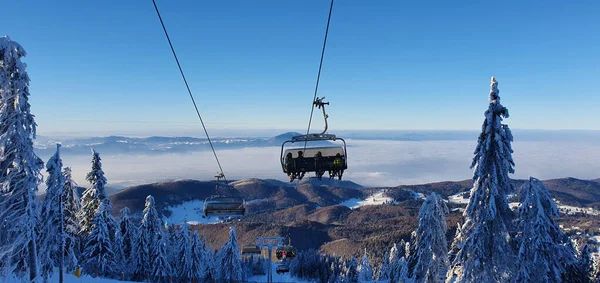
{"points": [[188, 88], [312, 108]]}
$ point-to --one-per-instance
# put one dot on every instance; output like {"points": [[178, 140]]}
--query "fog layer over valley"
{"points": [[372, 163]]}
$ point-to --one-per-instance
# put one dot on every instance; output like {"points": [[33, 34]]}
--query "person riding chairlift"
{"points": [[318, 161], [289, 166], [338, 165], [300, 170]]}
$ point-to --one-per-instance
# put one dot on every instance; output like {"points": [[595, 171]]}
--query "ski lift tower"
{"points": [[269, 243]]}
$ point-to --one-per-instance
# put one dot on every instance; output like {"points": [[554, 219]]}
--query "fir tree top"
{"points": [[96, 176], [493, 154]]}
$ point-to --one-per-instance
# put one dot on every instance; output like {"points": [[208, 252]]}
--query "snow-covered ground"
{"points": [[567, 209], [458, 198], [190, 211], [374, 199]]}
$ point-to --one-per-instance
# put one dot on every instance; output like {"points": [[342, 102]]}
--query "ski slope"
{"points": [[191, 212], [374, 199]]}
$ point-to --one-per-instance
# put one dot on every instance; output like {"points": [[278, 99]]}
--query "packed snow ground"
{"points": [[375, 199]]}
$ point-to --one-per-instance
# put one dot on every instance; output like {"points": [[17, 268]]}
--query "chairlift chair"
{"points": [[225, 206], [283, 268], [332, 159], [287, 252], [251, 250]]}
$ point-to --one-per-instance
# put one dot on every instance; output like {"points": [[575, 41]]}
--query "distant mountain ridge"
{"points": [[156, 144]]}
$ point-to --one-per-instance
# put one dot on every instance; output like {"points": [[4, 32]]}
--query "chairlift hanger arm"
{"points": [[320, 104]]}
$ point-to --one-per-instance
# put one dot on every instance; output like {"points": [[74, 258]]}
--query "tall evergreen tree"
{"points": [[352, 271], [161, 266], [486, 254], [71, 206], [365, 271], [384, 269], [544, 250], [184, 268], [395, 255], [93, 196], [128, 232], [121, 266], [430, 241], [19, 165], [230, 262], [150, 231], [98, 253], [198, 264], [51, 226]]}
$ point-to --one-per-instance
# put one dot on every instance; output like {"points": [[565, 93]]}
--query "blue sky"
{"points": [[105, 67]]}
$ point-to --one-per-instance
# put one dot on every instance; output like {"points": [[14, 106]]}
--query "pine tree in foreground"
{"points": [[544, 250], [51, 226], [128, 232], [98, 253], [19, 166], [94, 196], [150, 232], [430, 241], [161, 265], [229, 260], [486, 254], [71, 206], [184, 251]]}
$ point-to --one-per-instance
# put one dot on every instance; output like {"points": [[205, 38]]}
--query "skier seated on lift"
{"points": [[289, 166], [300, 170], [338, 165], [318, 165]]}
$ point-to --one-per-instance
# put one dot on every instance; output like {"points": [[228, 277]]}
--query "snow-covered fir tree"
{"points": [[98, 256], [384, 269], [580, 270], [184, 251], [198, 264], [96, 178], [229, 260], [71, 206], [150, 232], [128, 232], [139, 267], [395, 255], [456, 243], [161, 266], [402, 274], [93, 196], [352, 271], [365, 271], [486, 254], [430, 241], [208, 267], [544, 250], [121, 266], [51, 226], [19, 166]]}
